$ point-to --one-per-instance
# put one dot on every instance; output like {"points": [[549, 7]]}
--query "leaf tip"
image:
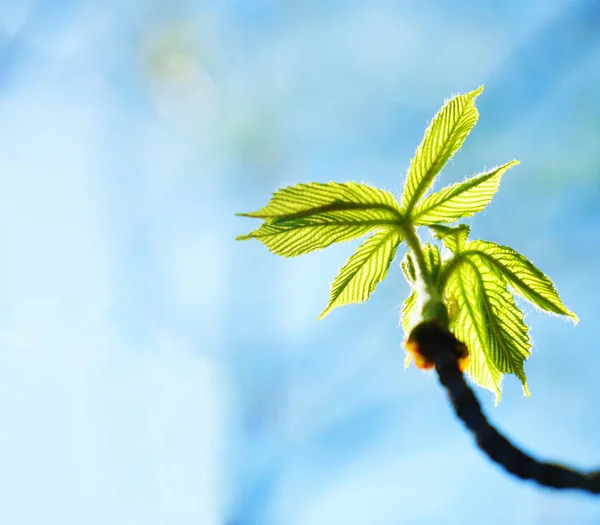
{"points": [[497, 398], [497, 391], [324, 313], [245, 237], [476, 92], [526, 391]]}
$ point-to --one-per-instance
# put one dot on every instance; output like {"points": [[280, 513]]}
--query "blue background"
{"points": [[154, 371]]}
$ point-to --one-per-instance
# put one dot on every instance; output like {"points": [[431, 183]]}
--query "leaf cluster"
{"points": [[470, 288]]}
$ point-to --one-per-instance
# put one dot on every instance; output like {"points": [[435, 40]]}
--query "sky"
{"points": [[154, 371]]}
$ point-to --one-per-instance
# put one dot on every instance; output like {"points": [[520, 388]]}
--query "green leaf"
{"points": [[522, 276], [433, 261], [509, 344], [411, 314], [408, 315], [364, 269], [443, 138], [454, 238], [301, 236], [490, 323], [304, 200], [463, 199], [408, 269], [307, 217], [469, 326]]}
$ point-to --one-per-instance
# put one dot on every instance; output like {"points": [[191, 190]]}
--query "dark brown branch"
{"points": [[442, 348]]}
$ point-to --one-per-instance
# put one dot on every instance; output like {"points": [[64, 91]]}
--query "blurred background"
{"points": [[154, 371]]}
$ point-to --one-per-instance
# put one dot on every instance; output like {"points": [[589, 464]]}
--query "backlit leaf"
{"points": [[364, 270], [490, 323], [303, 200], [408, 269], [433, 262], [411, 314], [454, 238], [442, 139], [463, 199], [522, 276], [509, 343], [307, 217], [469, 326], [300, 236], [408, 316]]}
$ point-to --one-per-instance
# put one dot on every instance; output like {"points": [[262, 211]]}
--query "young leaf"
{"points": [[408, 316], [463, 199], [509, 344], [433, 260], [443, 138], [454, 238], [299, 236], [408, 269], [521, 275], [491, 324], [364, 269], [304, 200], [469, 326], [307, 217]]}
